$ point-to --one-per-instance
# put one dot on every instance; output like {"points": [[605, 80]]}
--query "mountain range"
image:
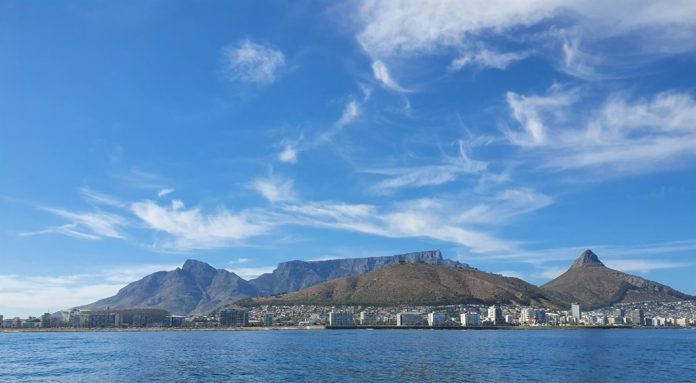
{"points": [[420, 278], [198, 288]]}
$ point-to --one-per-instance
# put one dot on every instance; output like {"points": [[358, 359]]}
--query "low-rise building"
{"points": [[409, 319], [368, 318], [342, 319], [470, 319]]}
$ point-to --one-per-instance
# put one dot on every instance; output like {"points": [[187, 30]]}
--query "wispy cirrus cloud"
{"points": [[429, 175], [623, 134], [274, 188], [382, 74], [85, 225], [189, 229], [252, 62], [470, 30]]}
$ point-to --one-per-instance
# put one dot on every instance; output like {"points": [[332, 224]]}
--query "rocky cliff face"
{"points": [[195, 288], [594, 285], [297, 275]]}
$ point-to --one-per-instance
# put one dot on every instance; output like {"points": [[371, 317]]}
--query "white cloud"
{"points": [[253, 62], [622, 135], [486, 58], [94, 225], [250, 272], [33, 295], [164, 192], [274, 189], [289, 153], [101, 199], [190, 229], [389, 29], [381, 73], [442, 219], [641, 265], [429, 175]]}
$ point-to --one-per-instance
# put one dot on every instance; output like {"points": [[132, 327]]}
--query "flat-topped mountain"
{"points": [[297, 275], [594, 285], [416, 284], [194, 288]]}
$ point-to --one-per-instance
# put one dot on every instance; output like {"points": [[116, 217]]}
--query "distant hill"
{"points": [[195, 288], [297, 275], [415, 284], [593, 285]]}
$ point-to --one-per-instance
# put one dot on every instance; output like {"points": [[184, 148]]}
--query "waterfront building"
{"points": [[495, 315], [268, 319], [576, 312], [637, 317], [368, 318], [142, 319], [337, 318], [527, 316], [510, 319], [682, 322], [174, 321], [470, 319], [436, 319], [46, 320], [619, 314], [234, 318], [409, 319], [1, 320], [103, 319]]}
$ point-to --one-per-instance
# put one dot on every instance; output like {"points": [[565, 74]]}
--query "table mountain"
{"points": [[297, 275], [195, 288], [594, 285], [416, 284]]}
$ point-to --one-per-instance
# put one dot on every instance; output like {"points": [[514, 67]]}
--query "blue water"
{"points": [[351, 355]]}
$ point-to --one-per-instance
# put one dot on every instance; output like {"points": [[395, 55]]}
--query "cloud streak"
{"points": [[251, 62]]}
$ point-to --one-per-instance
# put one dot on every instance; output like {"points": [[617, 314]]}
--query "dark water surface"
{"points": [[351, 355]]}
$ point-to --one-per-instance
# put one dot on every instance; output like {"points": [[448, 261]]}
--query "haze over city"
{"points": [[137, 135]]}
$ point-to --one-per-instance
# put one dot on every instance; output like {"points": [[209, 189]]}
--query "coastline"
{"points": [[310, 328]]}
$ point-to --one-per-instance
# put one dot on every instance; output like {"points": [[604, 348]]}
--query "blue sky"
{"points": [[135, 135]]}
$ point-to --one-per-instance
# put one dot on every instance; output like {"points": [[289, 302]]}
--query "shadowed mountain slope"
{"points": [[193, 289]]}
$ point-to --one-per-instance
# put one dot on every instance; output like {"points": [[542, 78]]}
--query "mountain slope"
{"points": [[297, 275], [415, 284], [193, 289], [589, 282]]}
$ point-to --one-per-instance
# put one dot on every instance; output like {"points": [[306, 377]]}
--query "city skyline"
{"points": [[137, 135]]}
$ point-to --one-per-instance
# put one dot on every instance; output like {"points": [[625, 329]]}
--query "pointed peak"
{"points": [[192, 264], [586, 259]]}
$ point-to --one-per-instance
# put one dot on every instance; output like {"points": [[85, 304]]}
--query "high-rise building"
{"points": [[470, 319], [436, 319], [576, 312], [268, 319], [46, 320], [341, 319], [637, 317], [495, 315], [234, 318], [174, 321]]}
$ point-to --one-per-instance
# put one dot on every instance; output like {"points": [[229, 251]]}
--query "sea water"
{"points": [[351, 356]]}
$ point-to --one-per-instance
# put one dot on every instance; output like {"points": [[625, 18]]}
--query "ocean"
{"points": [[351, 356]]}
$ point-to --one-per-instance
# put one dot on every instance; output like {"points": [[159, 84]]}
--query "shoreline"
{"points": [[310, 328]]}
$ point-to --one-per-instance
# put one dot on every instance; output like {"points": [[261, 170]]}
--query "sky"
{"points": [[510, 135]]}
